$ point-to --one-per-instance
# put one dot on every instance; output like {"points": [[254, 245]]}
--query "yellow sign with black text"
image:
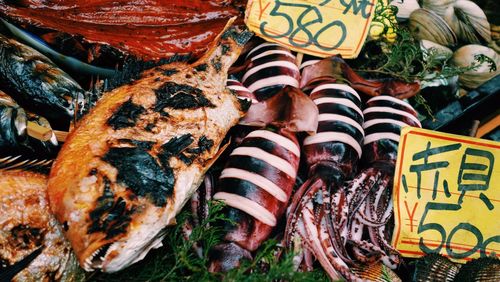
{"points": [[319, 28], [446, 195]]}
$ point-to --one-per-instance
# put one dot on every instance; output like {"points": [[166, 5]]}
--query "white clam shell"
{"points": [[465, 56], [426, 24], [468, 21]]}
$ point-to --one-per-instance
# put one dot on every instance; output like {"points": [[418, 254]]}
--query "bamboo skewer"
{"points": [[61, 135], [43, 133], [39, 132]]}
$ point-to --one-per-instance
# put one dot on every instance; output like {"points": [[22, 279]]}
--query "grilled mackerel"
{"points": [[127, 170]]}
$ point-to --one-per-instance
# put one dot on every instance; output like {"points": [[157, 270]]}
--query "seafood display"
{"points": [[94, 31], [144, 150], [38, 85], [27, 226], [14, 128], [132, 117]]}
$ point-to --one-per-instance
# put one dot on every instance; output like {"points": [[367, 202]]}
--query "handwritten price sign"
{"points": [[319, 28], [447, 195]]}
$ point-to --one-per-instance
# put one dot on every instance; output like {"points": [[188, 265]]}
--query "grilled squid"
{"points": [[369, 194], [331, 156], [271, 67], [256, 186]]}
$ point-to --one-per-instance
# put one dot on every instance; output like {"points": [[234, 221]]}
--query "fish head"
{"points": [[110, 253], [114, 212]]}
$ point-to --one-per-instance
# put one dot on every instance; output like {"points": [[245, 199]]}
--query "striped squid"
{"points": [[332, 155], [369, 194], [260, 172]]}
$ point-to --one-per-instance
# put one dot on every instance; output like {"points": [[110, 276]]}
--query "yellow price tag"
{"points": [[319, 28], [447, 195]]}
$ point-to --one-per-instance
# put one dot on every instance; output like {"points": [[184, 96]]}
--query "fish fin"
{"points": [[12, 270], [226, 47], [22, 163]]}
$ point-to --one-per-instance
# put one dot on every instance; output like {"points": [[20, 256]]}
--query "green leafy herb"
{"points": [[405, 60], [178, 261]]}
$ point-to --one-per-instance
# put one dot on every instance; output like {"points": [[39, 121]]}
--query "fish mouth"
{"points": [[96, 259]]}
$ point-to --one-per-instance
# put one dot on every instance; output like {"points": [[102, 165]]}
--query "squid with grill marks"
{"points": [[331, 156], [256, 185], [369, 194]]}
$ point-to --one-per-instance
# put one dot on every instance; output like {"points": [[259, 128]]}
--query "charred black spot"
{"points": [[93, 171], [225, 49], [126, 115], [175, 145], [204, 144], [133, 68], [142, 174], [188, 160], [170, 72], [216, 64], [164, 114], [145, 145], [65, 226], [110, 215], [180, 96], [26, 237], [241, 37], [201, 67], [149, 127], [103, 204]]}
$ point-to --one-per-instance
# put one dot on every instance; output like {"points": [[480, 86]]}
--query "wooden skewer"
{"points": [[298, 59], [39, 132], [61, 135], [43, 133]]}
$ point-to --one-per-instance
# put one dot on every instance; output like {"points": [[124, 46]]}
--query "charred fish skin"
{"points": [[37, 84], [142, 151], [26, 224], [256, 186]]}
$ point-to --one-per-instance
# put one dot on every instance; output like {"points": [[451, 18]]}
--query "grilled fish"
{"points": [[132, 163], [38, 85], [27, 225]]}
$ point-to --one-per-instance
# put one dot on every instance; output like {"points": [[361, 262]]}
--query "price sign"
{"points": [[447, 195], [319, 28]]}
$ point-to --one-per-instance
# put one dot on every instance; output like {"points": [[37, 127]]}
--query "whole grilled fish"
{"points": [[38, 85], [26, 225], [132, 163]]}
